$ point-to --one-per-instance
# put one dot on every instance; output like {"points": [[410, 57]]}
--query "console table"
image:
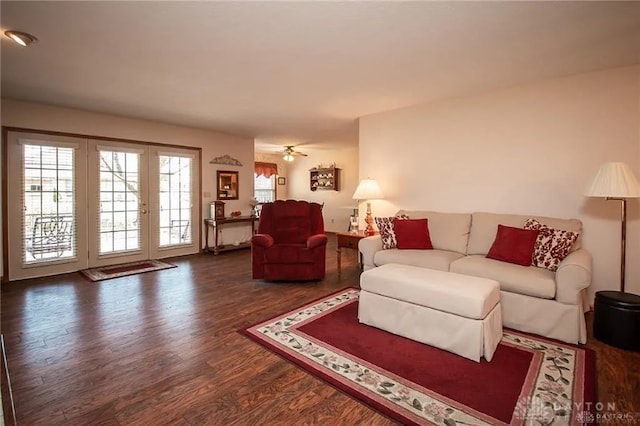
{"points": [[216, 224]]}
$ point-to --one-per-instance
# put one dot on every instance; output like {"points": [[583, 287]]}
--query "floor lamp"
{"points": [[615, 181], [616, 313], [368, 189]]}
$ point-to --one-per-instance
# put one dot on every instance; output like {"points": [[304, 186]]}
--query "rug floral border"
{"points": [[553, 388]]}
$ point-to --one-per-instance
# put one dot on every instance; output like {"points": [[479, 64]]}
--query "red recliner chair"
{"points": [[290, 244]]}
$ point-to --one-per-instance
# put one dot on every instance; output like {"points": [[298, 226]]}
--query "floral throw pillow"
{"points": [[387, 231], [552, 245]]}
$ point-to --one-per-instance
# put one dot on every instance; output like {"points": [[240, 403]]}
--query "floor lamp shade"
{"points": [[368, 189], [616, 181]]}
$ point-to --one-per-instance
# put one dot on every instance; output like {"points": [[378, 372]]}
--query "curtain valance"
{"points": [[266, 169]]}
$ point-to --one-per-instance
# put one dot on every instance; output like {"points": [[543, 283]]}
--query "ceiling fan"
{"points": [[289, 153]]}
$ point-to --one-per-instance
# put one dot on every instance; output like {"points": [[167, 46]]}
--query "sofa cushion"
{"points": [[289, 253], [513, 245], [552, 245], [484, 225], [432, 259], [412, 234], [526, 280], [448, 231]]}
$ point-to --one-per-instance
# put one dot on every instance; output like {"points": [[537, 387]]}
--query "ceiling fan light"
{"points": [[23, 39], [288, 157]]}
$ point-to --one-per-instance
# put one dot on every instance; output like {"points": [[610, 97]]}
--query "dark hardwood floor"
{"points": [[163, 348]]}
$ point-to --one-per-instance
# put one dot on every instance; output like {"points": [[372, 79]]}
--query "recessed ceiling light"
{"points": [[23, 39]]}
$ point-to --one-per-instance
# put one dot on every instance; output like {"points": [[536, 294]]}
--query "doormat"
{"points": [[122, 270], [530, 380]]}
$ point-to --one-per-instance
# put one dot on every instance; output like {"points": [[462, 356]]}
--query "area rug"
{"points": [[531, 380], [116, 271]]}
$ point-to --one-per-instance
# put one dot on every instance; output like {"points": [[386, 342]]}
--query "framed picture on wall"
{"points": [[282, 180], [227, 185]]}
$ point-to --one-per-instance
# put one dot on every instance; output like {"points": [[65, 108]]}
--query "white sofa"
{"points": [[533, 299]]}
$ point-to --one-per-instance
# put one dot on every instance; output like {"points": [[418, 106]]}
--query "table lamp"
{"points": [[615, 181], [368, 189]]}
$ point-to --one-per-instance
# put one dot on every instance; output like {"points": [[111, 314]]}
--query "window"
{"points": [[265, 188], [265, 182]]}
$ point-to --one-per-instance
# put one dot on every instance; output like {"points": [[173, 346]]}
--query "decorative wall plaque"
{"points": [[226, 160]]}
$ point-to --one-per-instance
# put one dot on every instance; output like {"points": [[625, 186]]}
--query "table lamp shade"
{"points": [[368, 189], [614, 180]]}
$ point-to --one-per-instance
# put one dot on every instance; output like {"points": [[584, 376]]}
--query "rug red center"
{"points": [[492, 388], [127, 268]]}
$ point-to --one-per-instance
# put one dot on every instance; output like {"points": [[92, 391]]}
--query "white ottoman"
{"points": [[454, 312]]}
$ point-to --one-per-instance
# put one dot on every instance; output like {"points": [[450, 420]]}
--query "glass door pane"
{"points": [[173, 197], [119, 202], [175, 200], [48, 194]]}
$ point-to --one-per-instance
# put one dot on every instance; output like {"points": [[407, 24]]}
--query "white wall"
{"points": [[338, 205], [213, 144], [530, 149]]}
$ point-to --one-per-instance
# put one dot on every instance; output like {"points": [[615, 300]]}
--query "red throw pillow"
{"points": [[412, 234], [513, 245]]}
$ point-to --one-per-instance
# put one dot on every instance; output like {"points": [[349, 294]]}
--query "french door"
{"points": [[118, 205], [46, 196], [86, 203]]}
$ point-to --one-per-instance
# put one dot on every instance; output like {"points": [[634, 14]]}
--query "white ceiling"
{"points": [[290, 72]]}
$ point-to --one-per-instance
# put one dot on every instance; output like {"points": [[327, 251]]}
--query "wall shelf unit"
{"points": [[324, 179]]}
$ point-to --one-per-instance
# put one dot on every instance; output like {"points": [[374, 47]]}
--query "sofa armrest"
{"points": [[573, 275], [262, 240], [317, 240], [368, 246]]}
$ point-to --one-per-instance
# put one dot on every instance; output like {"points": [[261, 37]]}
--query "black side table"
{"points": [[617, 319]]}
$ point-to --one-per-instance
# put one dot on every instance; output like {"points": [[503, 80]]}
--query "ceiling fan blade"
{"points": [[289, 150]]}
